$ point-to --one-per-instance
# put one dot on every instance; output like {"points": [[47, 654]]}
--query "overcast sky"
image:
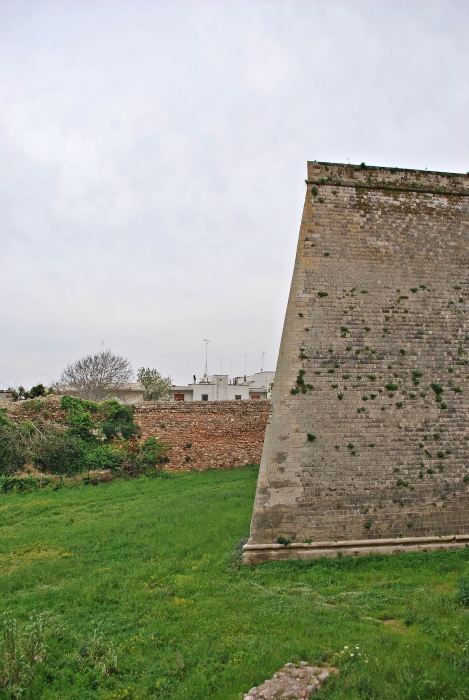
{"points": [[153, 157]]}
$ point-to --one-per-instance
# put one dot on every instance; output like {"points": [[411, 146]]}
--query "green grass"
{"points": [[149, 564]]}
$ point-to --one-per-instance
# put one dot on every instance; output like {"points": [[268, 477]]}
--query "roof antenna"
{"points": [[206, 358]]}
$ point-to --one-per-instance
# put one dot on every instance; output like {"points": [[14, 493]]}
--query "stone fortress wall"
{"points": [[206, 434], [367, 444]]}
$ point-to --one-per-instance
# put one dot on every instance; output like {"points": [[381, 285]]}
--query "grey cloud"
{"points": [[153, 157]]}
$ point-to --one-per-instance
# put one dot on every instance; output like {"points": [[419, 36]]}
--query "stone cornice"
{"points": [[395, 188]]}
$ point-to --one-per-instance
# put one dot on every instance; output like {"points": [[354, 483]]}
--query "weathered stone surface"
{"points": [[369, 426], [292, 682], [98, 476], [206, 434]]}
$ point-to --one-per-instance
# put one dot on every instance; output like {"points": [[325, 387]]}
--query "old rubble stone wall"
{"points": [[377, 313], [221, 434]]}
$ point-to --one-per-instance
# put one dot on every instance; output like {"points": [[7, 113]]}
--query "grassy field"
{"points": [[148, 567]]}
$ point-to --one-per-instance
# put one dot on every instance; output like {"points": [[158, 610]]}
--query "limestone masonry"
{"points": [[366, 447], [205, 435]]}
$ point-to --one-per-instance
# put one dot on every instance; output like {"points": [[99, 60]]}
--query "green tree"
{"points": [[156, 387], [20, 394]]}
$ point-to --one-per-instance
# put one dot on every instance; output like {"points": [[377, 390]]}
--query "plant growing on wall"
{"points": [[301, 385]]}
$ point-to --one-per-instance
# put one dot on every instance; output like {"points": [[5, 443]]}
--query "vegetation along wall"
{"points": [[206, 434], [367, 444]]}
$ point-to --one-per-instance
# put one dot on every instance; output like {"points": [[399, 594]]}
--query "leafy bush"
{"points": [[101, 458], [15, 445], [94, 437], [119, 421], [154, 452], [146, 458], [52, 448], [79, 418], [91, 421], [26, 485], [58, 452]]}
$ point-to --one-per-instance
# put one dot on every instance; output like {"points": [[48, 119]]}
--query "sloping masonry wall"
{"points": [[205, 435], [367, 444]]}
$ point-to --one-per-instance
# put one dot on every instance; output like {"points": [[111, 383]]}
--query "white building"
{"points": [[218, 387]]}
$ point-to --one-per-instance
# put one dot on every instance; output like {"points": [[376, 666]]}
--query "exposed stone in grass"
{"points": [[292, 682]]}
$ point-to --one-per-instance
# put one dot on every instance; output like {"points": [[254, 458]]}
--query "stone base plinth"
{"points": [[258, 553]]}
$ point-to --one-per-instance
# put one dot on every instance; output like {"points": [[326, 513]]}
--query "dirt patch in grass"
{"points": [[395, 625]]}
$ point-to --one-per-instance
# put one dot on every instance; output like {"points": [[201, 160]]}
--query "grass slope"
{"points": [[149, 564]]}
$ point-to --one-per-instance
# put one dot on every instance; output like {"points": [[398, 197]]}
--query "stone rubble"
{"points": [[292, 682]]}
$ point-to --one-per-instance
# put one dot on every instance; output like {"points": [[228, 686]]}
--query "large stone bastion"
{"points": [[366, 446]]}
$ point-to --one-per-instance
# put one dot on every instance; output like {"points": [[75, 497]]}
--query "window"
{"points": [[237, 396], [179, 397], [204, 397], [255, 397]]}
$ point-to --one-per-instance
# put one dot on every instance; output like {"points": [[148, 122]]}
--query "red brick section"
{"points": [[221, 434]]}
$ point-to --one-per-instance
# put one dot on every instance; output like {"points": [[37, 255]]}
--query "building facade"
{"points": [[218, 387], [5, 395]]}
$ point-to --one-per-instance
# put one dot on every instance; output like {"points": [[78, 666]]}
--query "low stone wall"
{"points": [[206, 435]]}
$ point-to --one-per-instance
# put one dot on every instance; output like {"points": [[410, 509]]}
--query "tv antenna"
{"points": [[206, 356], [221, 365], [262, 357], [231, 368]]}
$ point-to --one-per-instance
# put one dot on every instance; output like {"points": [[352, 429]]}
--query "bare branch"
{"points": [[97, 377]]}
